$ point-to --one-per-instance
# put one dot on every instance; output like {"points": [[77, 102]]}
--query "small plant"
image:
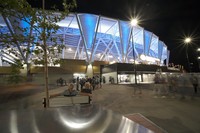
{"points": [[15, 76]]}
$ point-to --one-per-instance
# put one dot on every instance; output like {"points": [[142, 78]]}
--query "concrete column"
{"points": [[89, 71]]}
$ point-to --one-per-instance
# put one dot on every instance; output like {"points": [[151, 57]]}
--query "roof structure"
{"points": [[92, 37]]}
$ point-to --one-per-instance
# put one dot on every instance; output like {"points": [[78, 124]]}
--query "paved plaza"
{"points": [[172, 114]]}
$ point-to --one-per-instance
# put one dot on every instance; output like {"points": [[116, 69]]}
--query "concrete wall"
{"points": [[39, 78]]}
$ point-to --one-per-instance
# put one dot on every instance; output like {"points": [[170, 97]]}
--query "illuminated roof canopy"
{"points": [[91, 37]]}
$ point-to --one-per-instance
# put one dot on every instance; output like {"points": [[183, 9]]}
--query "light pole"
{"points": [[187, 41], [198, 58], [134, 22]]}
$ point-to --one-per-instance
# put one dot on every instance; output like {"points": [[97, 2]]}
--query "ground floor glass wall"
{"points": [[130, 78]]}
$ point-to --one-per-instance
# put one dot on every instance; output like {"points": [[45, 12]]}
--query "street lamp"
{"points": [[134, 22], [198, 57], [187, 41]]}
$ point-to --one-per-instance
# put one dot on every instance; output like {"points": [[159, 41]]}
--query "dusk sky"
{"points": [[170, 20]]}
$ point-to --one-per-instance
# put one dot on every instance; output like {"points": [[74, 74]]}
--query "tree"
{"points": [[27, 29], [30, 33], [15, 73], [17, 40]]}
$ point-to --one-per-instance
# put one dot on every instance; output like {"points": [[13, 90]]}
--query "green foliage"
{"points": [[42, 27], [15, 76]]}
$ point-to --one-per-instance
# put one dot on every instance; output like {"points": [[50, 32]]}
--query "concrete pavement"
{"points": [[174, 115]]}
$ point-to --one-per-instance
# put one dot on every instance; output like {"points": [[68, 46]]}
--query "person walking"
{"points": [[77, 83], [100, 81], [194, 81], [93, 83], [82, 83]]}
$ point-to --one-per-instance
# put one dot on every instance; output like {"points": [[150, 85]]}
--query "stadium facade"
{"points": [[91, 37], [94, 38]]}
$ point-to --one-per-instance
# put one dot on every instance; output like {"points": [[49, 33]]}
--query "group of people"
{"points": [[165, 84], [95, 82], [60, 81], [71, 91], [83, 86]]}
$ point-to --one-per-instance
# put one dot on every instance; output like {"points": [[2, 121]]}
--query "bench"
{"points": [[66, 101]]}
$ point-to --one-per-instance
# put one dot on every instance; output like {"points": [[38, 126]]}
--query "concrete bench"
{"points": [[66, 101]]}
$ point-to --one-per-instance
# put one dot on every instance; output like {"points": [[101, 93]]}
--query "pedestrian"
{"points": [[157, 85], [82, 82], [100, 80], [87, 88], [93, 83], [194, 81], [97, 82], [104, 79], [172, 84], [77, 83], [60, 81]]}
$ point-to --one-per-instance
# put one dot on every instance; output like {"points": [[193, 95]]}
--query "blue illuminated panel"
{"points": [[147, 41], [160, 49], [24, 26], [139, 39], [154, 46], [164, 53], [125, 34], [88, 26]]}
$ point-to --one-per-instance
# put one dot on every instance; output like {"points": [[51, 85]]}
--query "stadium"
{"points": [[96, 41]]}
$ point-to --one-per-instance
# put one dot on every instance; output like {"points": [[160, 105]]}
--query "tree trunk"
{"points": [[28, 72]]}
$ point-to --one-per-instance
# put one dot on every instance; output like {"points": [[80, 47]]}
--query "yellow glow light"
{"points": [[134, 22], [187, 40]]}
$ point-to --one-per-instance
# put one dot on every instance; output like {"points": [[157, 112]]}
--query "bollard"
{"points": [[44, 102]]}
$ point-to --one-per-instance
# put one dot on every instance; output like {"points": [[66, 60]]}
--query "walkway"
{"points": [[175, 115]]}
